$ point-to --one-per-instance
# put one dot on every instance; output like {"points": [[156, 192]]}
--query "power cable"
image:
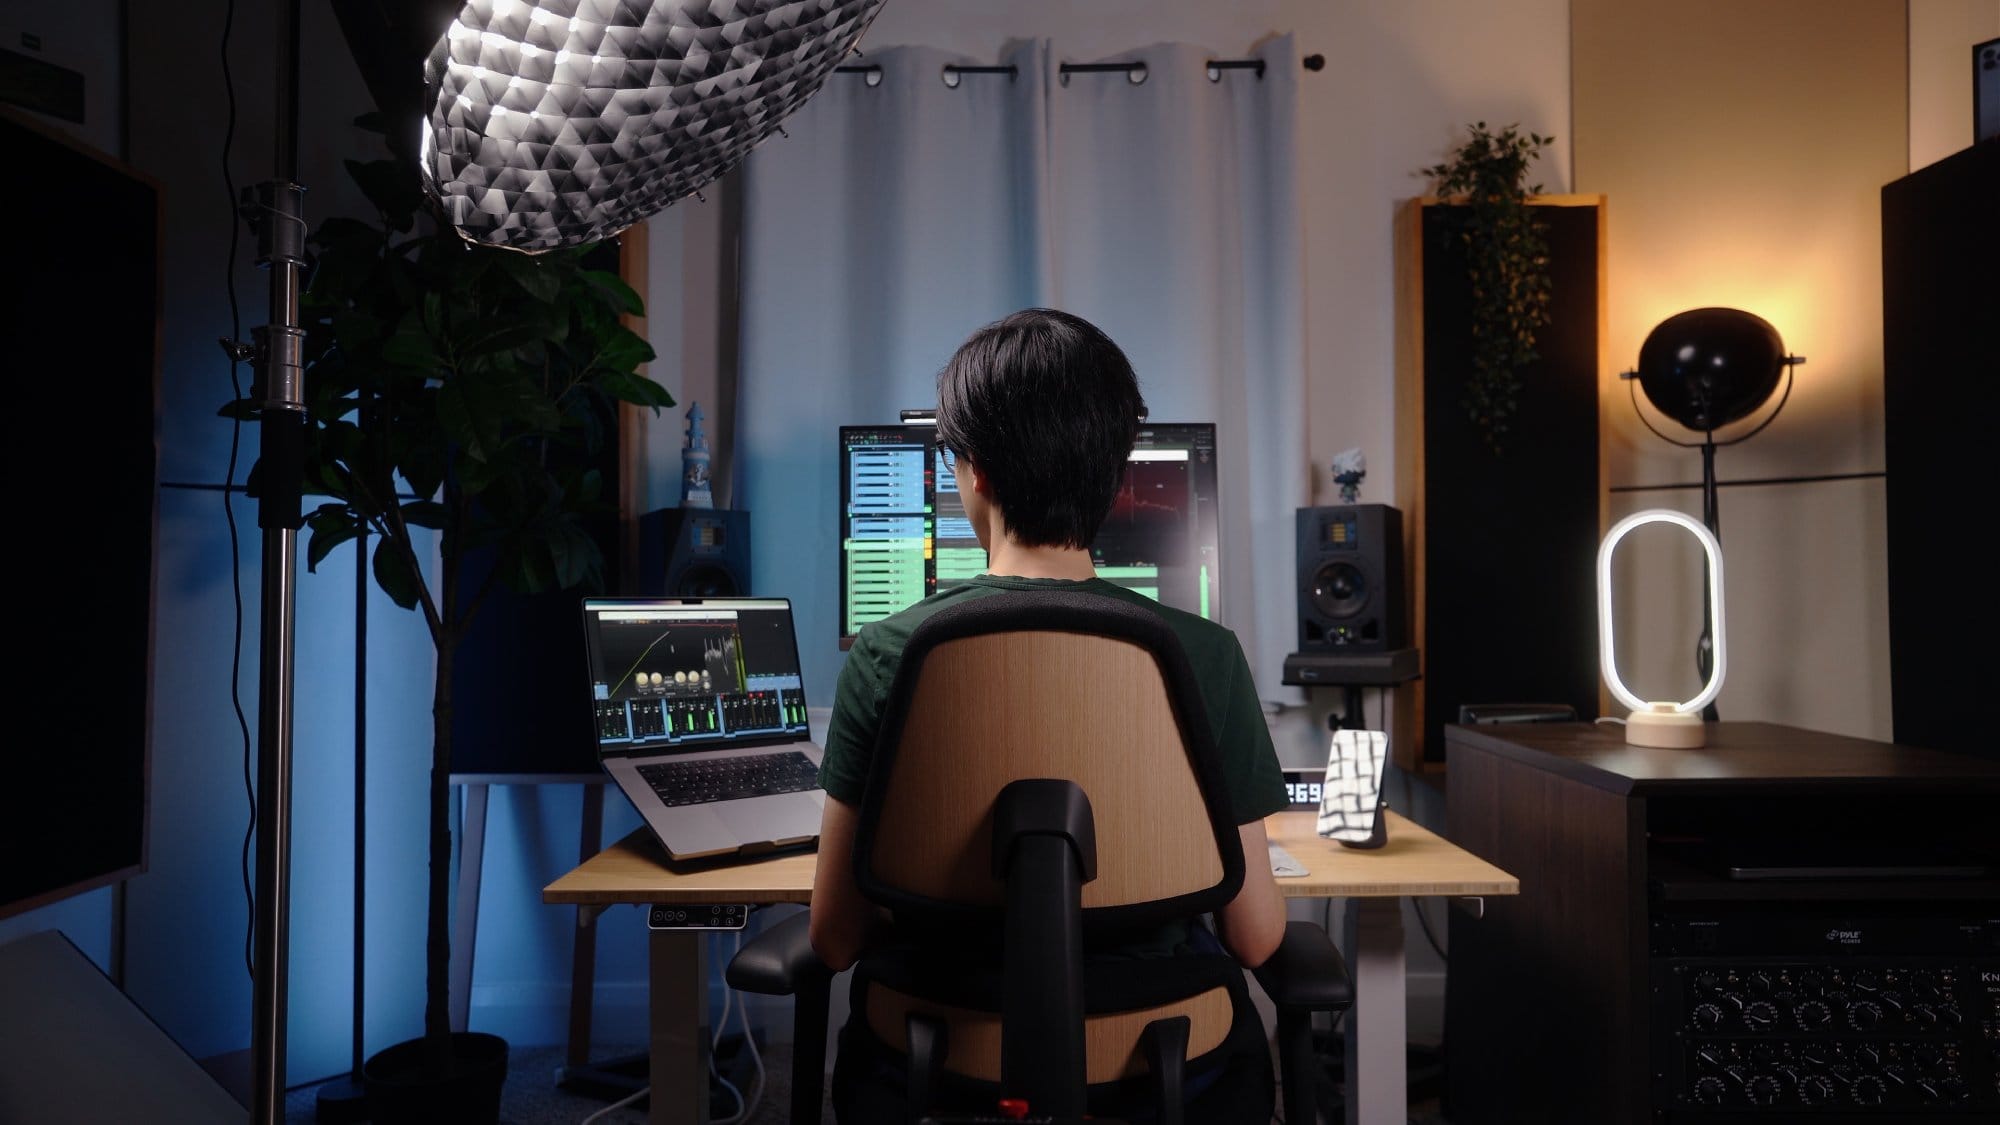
{"points": [[229, 493]]}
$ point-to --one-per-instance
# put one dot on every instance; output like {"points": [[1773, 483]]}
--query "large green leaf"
{"points": [[392, 187], [612, 288], [505, 336], [635, 388], [394, 574], [331, 526], [411, 344], [541, 281], [577, 558], [528, 568], [623, 350], [469, 427], [424, 513]]}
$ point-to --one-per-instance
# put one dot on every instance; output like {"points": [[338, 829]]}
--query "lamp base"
{"points": [[1662, 727]]}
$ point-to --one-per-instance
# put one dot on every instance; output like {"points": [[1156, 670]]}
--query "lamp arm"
{"points": [[1791, 361], [1631, 379], [1631, 382]]}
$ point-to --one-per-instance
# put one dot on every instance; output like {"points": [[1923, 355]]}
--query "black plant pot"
{"points": [[403, 1089]]}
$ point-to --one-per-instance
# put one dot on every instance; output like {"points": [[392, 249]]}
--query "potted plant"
{"points": [[459, 389], [1507, 261]]}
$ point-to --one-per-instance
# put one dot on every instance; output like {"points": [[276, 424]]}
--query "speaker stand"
{"points": [[1361, 669]]}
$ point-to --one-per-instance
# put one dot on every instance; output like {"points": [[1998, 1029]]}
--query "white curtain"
{"points": [[897, 218]]}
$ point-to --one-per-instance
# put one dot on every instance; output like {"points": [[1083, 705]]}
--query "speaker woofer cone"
{"points": [[1339, 589], [705, 580]]}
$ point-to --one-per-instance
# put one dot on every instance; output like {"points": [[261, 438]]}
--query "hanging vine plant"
{"points": [[1507, 260]]}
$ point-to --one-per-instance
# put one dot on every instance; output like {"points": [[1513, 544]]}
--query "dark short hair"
{"points": [[1047, 407]]}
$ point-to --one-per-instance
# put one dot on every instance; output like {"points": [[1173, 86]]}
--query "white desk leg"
{"points": [[1378, 1090], [678, 1062], [465, 917]]}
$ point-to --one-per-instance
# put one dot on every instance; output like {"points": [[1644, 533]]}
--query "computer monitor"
{"points": [[904, 534]]}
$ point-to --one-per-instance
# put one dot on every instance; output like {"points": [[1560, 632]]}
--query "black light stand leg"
{"points": [[341, 1101], [1704, 648], [278, 219]]}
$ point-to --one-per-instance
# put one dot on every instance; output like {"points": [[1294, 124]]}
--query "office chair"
{"points": [[1045, 787]]}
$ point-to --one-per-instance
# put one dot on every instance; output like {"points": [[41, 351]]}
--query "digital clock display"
{"points": [[1303, 793]]}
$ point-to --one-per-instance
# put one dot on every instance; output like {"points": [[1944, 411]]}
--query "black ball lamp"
{"points": [[1705, 369]]}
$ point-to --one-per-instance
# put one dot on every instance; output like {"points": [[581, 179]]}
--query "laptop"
{"points": [[700, 717]]}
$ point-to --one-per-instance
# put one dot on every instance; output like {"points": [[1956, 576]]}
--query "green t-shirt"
{"points": [[1249, 762]]}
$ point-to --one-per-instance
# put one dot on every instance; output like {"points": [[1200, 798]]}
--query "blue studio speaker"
{"points": [[694, 553]]}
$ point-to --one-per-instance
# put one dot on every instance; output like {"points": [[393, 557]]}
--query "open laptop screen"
{"points": [[692, 673]]}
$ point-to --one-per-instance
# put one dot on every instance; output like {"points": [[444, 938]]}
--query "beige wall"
{"points": [[1942, 33], [1743, 149]]}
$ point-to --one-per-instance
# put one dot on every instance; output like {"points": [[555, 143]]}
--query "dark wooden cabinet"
{"points": [[1553, 997]]}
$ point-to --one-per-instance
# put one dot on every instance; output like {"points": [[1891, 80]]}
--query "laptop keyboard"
{"points": [[728, 779]]}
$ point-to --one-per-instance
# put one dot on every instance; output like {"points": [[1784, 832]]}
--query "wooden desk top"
{"points": [[1739, 756], [1415, 861]]}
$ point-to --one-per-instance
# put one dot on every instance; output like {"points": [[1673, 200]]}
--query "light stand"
{"points": [[276, 214]]}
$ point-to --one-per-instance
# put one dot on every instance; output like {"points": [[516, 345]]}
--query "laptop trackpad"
{"points": [[696, 830], [781, 817]]}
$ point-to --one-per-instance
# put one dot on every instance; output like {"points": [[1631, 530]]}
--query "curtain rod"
{"points": [[1135, 72]]}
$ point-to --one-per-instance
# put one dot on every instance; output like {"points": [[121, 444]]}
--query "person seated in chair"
{"points": [[1039, 412]]}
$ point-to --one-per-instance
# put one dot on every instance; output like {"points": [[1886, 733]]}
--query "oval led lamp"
{"points": [[1676, 726]]}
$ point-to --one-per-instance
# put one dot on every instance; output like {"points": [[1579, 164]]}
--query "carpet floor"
{"points": [[532, 1097]]}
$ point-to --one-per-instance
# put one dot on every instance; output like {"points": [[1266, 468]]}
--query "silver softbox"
{"points": [[560, 122]]}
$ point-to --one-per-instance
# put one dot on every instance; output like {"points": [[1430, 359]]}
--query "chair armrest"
{"points": [[1306, 973], [780, 961]]}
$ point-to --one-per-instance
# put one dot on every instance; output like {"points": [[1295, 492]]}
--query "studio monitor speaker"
{"points": [[1351, 579], [694, 553]]}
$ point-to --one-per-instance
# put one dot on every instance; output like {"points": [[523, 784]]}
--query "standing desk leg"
{"points": [[465, 916], [679, 1051], [1378, 1091], [583, 942]]}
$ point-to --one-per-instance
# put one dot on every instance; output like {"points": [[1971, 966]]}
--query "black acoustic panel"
{"points": [[1941, 360], [82, 324], [1510, 539], [521, 696]]}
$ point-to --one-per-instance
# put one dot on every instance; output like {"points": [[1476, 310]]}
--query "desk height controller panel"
{"points": [[697, 916]]}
